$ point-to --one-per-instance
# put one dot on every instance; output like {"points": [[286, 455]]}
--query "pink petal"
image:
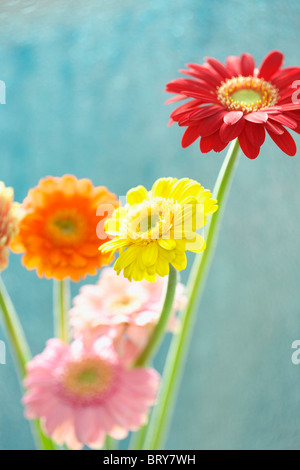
{"points": [[60, 414], [247, 65], [270, 65], [257, 117], [85, 424], [285, 142], [97, 440], [233, 117]]}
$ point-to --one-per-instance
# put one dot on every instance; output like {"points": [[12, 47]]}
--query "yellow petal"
{"points": [[180, 262], [162, 267], [197, 244], [185, 188], [126, 258], [168, 244], [137, 195], [113, 245], [149, 254], [163, 187]]}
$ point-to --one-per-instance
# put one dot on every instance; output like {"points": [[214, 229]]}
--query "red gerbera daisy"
{"points": [[238, 100]]}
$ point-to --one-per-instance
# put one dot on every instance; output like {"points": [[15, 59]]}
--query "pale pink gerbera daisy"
{"points": [[82, 393], [9, 218], [127, 311]]}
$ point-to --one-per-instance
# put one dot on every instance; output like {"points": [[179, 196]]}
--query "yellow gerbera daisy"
{"points": [[155, 228]]}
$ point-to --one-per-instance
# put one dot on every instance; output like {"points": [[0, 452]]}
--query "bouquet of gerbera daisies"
{"points": [[94, 382]]}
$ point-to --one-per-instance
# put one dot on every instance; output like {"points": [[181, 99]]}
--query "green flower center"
{"points": [[149, 222], [66, 226], [88, 376], [245, 96]]}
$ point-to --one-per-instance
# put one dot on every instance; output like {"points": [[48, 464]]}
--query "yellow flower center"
{"points": [[247, 94], [88, 379], [66, 227], [125, 304]]}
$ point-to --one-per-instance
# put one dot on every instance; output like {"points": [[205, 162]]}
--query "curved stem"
{"points": [[61, 301], [161, 417], [160, 327], [20, 350]]}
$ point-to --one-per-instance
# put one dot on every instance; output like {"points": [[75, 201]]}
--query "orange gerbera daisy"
{"points": [[58, 231]]}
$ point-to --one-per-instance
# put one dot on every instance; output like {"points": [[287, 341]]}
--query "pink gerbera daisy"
{"points": [[238, 100], [82, 393], [127, 311]]}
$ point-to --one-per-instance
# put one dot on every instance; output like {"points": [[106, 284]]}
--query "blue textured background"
{"points": [[85, 92]]}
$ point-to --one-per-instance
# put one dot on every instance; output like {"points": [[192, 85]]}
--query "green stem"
{"points": [[21, 353], [138, 438], [160, 327], [110, 443], [14, 332], [161, 416], [61, 301]]}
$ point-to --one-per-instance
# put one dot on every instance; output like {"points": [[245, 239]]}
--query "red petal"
{"points": [[255, 133], [204, 97], [233, 64], [191, 134], [232, 117], [257, 116], [247, 65], [286, 77], [184, 108], [212, 142], [211, 124], [218, 66], [207, 75], [249, 149], [285, 120], [273, 127], [290, 107], [176, 98], [206, 143], [229, 132], [285, 142], [271, 63], [204, 111]]}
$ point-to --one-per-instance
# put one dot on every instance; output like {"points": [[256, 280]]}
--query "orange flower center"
{"points": [[88, 379], [247, 94], [66, 227]]}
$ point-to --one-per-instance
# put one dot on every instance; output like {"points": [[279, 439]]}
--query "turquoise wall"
{"points": [[85, 95]]}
